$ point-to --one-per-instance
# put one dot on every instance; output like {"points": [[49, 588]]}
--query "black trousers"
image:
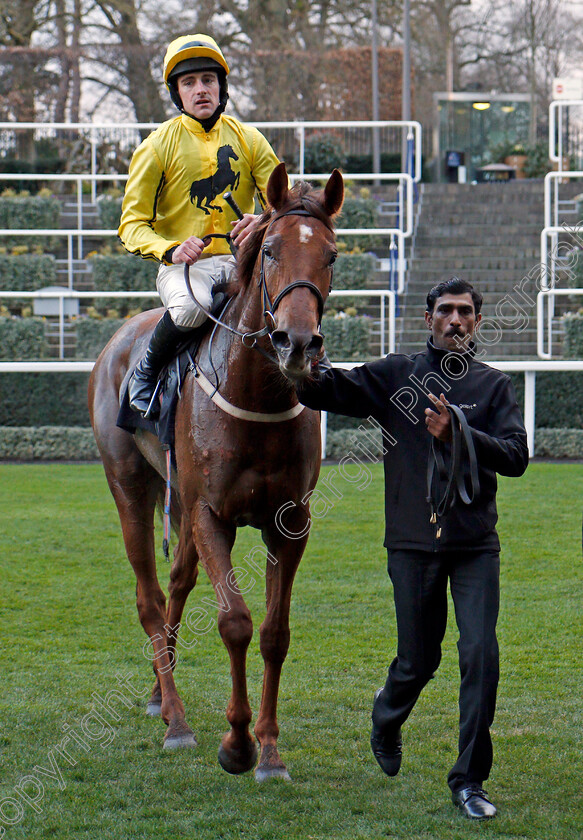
{"points": [[420, 588]]}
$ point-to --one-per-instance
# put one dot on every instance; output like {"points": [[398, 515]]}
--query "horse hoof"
{"points": [[179, 735], [262, 774], [154, 708], [238, 761], [178, 742]]}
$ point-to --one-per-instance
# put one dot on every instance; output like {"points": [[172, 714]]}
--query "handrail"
{"points": [[553, 179], [68, 294], [392, 233], [529, 368], [557, 105], [412, 127], [549, 294]]}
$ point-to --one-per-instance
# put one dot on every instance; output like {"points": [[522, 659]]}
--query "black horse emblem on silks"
{"points": [[207, 189]]}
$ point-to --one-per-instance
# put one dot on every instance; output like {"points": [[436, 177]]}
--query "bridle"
{"points": [[249, 339], [269, 308]]}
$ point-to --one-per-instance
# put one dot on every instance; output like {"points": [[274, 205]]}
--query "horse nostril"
{"points": [[314, 346], [280, 340]]}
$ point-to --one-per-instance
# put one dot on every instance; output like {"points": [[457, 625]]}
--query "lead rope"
{"points": [[463, 455], [167, 500]]}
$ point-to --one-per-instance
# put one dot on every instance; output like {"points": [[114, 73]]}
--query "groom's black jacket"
{"points": [[393, 392]]}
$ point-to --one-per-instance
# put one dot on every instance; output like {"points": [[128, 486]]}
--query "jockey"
{"points": [[174, 199]]}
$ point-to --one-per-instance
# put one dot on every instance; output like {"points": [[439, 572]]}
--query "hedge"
{"points": [[47, 443], [93, 335], [109, 209], [573, 335], [22, 339], [121, 273], [559, 398], [44, 399], [27, 272], [70, 443], [354, 271], [559, 443], [359, 213], [27, 213], [323, 153], [346, 337]]}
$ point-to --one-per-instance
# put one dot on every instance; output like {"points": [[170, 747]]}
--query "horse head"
{"points": [[297, 257]]}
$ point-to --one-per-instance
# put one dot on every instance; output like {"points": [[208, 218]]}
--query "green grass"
{"points": [[68, 625]]}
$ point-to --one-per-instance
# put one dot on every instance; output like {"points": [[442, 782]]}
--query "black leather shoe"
{"points": [[388, 752], [387, 747], [473, 802]]}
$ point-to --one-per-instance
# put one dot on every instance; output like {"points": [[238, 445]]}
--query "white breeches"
{"points": [[204, 274]]}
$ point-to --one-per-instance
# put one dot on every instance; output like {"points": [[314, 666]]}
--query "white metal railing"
{"points": [[556, 111], [551, 191], [396, 244], [544, 324], [386, 323], [552, 263], [529, 368], [96, 134]]}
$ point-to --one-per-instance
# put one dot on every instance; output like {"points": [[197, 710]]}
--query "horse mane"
{"points": [[301, 196]]}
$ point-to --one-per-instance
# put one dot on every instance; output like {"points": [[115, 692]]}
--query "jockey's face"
{"points": [[199, 93]]}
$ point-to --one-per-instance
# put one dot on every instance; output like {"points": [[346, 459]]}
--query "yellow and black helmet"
{"points": [[194, 53]]}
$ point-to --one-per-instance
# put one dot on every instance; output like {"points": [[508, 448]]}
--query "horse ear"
{"points": [[277, 187], [334, 193]]}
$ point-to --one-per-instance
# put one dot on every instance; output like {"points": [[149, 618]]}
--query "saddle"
{"points": [[170, 379]]}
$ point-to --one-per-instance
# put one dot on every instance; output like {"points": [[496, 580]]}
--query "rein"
{"points": [[455, 475]]}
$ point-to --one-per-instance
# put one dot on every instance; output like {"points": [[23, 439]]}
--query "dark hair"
{"points": [[454, 286]]}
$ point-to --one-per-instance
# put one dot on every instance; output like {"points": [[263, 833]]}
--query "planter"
{"points": [[517, 161]]}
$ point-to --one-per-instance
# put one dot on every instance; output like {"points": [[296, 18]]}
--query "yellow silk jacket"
{"points": [[177, 179]]}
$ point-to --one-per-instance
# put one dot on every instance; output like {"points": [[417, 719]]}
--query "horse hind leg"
{"points": [[135, 487], [154, 706], [183, 578]]}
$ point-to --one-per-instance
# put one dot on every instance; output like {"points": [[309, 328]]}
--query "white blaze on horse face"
{"points": [[306, 233]]}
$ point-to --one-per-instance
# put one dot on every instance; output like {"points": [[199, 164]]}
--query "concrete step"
{"points": [[494, 261], [457, 254]]}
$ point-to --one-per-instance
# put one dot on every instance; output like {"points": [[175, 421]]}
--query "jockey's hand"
{"points": [[189, 251], [438, 422], [242, 228]]}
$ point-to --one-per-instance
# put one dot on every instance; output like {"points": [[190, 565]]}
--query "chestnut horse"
{"points": [[257, 469]]}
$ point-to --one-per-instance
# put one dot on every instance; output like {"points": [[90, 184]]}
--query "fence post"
{"points": [[323, 431], [529, 407]]}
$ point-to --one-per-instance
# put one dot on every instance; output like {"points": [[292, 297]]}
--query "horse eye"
{"points": [[268, 252], [332, 259]]}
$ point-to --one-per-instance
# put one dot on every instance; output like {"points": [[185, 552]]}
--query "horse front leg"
{"points": [[214, 540], [285, 555]]}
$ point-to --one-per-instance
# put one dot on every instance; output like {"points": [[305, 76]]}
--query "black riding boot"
{"points": [[142, 385]]}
